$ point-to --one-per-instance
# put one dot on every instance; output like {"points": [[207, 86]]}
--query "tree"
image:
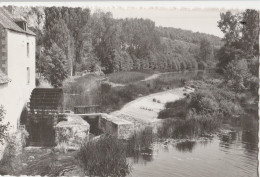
{"points": [[241, 41], [103, 39], [236, 75], [55, 69], [206, 51], [250, 33]]}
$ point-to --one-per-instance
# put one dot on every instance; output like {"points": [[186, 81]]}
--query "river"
{"points": [[230, 154]]}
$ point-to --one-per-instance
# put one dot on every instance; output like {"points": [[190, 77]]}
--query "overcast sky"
{"points": [[204, 21]]}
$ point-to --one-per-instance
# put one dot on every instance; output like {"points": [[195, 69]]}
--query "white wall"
{"points": [[17, 93]]}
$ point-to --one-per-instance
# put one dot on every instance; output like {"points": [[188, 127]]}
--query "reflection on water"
{"points": [[232, 154], [186, 146]]}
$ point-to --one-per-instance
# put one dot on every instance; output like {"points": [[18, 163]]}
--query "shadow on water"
{"points": [[245, 132]]}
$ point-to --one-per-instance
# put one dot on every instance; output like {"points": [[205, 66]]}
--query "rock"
{"points": [[72, 133]]}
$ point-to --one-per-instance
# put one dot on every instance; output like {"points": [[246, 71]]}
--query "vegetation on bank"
{"points": [[105, 156]]}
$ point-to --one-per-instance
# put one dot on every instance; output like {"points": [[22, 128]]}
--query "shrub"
{"points": [[203, 101], [176, 109], [104, 157]]}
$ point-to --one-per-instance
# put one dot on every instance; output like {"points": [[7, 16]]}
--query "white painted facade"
{"points": [[20, 69]]}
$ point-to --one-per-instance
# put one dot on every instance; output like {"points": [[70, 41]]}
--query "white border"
{"points": [[146, 4]]}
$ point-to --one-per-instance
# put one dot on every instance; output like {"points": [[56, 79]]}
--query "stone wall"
{"points": [[72, 132], [122, 129]]}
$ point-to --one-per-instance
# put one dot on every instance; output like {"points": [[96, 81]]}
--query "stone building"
{"points": [[17, 65]]}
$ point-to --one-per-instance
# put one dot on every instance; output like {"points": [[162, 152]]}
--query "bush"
{"points": [[203, 101], [104, 157]]}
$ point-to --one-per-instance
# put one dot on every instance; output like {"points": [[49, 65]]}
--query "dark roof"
{"points": [[3, 78], [8, 22]]}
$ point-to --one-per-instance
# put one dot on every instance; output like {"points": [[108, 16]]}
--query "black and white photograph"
{"points": [[99, 89]]}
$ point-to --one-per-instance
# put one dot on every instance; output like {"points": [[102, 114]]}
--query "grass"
{"points": [[127, 77], [104, 157]]}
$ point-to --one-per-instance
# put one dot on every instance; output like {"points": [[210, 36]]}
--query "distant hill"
{"points": [[188, 36]]}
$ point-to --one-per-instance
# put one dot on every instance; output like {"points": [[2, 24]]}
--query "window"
{"points": [[28, 75], [28, 49]]}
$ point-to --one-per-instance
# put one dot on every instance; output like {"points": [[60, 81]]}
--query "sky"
{"points": [[197, 20]]}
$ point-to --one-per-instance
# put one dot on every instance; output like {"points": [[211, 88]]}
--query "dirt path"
{"points": [[145, 110]]}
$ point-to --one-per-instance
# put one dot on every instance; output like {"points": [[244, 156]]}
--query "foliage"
{"points": [[206, 54], [55, 70], [105, 156], [240, 37], [3, 126], [236, 75], [176, 109], [89, 39]]}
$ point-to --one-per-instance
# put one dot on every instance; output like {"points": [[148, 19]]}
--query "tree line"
{"points": [[74, 39]]}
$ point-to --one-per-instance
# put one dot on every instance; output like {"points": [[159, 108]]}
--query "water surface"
{"points": [[232, 154]]}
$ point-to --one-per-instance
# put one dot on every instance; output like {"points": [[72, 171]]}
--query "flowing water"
{"points": [[232, 154]]}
